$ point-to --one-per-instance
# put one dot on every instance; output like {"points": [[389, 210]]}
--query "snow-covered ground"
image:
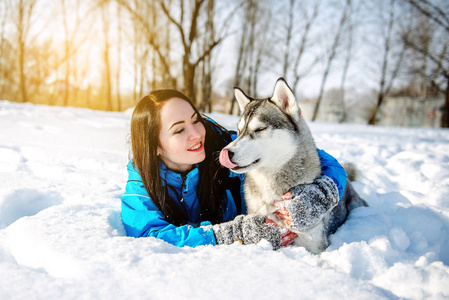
{"points": [[63, 171]]}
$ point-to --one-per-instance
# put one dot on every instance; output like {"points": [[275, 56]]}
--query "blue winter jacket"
{"points": [[142, 218]]}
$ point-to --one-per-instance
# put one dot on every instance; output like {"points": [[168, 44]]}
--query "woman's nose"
{"points": [[194, 133]]}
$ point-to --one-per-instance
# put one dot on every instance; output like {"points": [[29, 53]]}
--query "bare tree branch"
{"points": [[332, 55], [437, 60], [152, 40], [303, 45], [425, 11]]}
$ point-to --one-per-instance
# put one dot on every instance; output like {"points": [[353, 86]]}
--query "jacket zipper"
{"points": [[181, 200]]}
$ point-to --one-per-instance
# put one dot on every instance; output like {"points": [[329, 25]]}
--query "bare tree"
{"points": [[436, 51], [241, 61], [136, 50], [418, 29], [297, 41], [253, 46], [206, 84], [106, 49], [66, 51], [66, 62], [166, 48], [434, 12], [349, 45], [388, 73], [289, 36], [154, 62], [253, 20], [72, 43], [148, 27], [24, 12], [188, 38], [332, 55], [31, 58], [119, 56], [261, 52], [303, 45], [4, 72]]}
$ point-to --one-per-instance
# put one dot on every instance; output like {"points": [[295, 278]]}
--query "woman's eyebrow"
{"points": [[176, 123], [179, 122]]}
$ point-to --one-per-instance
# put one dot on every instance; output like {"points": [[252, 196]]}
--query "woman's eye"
{"points": [[196, 121], [179, 131]]}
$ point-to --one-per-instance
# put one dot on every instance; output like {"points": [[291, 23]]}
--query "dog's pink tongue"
{"points": [[225, 161]]}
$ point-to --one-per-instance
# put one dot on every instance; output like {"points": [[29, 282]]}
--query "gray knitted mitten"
{"points": [[249, 229], [310, 202]]}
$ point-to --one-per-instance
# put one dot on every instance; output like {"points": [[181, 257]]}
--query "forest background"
{"points": [[347, 57]]}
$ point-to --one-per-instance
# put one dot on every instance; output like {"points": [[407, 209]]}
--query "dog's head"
{"points": [[267, 131]]}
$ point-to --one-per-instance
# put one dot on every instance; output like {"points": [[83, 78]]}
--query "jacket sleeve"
{"points": [[142, 218], [332, 168]]}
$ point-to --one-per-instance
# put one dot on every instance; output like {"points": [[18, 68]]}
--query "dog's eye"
{"points": [[260, 129]]}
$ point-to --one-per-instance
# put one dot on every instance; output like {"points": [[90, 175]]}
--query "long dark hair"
{"points": [[145, 128]]}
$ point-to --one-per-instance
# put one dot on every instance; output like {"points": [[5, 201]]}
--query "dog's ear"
{"points": [[284, 98], [242, 99]]}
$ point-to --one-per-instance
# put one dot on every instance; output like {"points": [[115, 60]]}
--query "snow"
{"points": [[63, 171]]}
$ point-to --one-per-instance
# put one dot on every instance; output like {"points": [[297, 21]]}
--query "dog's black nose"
{"points": [[230, 154]]}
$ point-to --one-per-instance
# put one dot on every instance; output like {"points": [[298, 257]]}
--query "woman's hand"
{"points": [[287, 237], [251, 229], [305, 205]]}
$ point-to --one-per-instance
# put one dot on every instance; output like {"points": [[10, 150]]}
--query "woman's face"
{"points": [[182, 136]]}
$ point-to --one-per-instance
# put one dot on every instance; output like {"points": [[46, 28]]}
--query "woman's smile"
{"points": [[197, 147]]}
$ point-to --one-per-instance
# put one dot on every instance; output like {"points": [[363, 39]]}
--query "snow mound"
{"points": [[24, 202]]}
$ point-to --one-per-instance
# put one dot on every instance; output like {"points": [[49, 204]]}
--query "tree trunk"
{"points": [[373, 119], [331, 58], [206, 102], [251, 49], [320, 97], [67, 53], [2, 52], [136, 36], [289, 38], [345, 68], [385, 63], [240, 57], [259, 54], [21, 38], [445, 115], [107, 65], [119, 54], [153, 54], [302, 47], [189, 79], [23, 86]]}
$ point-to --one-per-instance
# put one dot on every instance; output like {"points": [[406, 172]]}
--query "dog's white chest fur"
{"points": [[260, 193]]}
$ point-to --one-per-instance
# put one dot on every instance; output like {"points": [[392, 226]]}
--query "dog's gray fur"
{"points": [[276, 150]]}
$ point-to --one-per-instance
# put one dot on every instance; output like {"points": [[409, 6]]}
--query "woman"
{"points": [[177, 189]]}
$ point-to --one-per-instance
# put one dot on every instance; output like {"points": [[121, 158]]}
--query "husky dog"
{"points": [[276, 150]]}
